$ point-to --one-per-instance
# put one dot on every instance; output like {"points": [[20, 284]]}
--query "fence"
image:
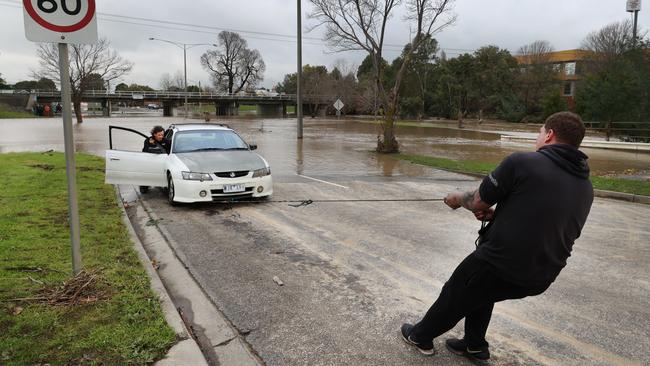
{"points": [[626, 131]]}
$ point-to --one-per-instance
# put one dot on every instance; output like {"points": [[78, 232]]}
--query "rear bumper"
{"points": [[190, 191]]}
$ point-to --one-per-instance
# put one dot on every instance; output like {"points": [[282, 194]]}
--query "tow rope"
{"points": [[307, 202]]}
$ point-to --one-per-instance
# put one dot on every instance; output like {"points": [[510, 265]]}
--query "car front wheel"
{"points": [[171, 192]]}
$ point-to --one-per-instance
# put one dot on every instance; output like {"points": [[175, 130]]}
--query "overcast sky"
{"points": [[505, 23]]}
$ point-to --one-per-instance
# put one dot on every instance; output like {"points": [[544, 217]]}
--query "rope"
{"points": [[302, 203]]}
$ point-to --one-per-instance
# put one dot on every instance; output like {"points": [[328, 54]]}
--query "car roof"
{"points": [[199, 126]]}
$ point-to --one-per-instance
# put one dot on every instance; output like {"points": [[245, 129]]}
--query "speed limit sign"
{"points": [[60, 21]]}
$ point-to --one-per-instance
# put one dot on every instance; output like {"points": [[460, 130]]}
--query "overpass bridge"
{"points": [[225, 104]]}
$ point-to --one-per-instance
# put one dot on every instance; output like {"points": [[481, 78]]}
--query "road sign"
{"points": [[60, 21], [338, 105]]}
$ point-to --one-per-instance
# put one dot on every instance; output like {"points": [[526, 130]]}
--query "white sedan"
{"points": [[205, 162]]}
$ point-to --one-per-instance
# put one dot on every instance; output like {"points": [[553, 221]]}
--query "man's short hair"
{"points": [[157, 129], [568, 127]]}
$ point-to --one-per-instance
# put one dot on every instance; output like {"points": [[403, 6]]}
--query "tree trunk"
{"points": [[389, 143], [77, 109]]}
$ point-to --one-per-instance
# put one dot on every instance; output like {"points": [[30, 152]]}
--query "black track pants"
{"points": [[470, 293]]}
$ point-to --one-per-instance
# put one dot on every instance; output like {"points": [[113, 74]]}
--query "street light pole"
{"points": [[184, 47], [299, 88], [185, 71]]}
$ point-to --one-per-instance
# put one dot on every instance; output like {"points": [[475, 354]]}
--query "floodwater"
{"points": [[329, 148]]}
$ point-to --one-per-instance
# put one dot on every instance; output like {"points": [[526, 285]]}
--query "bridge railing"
{"points": [[137, 95]]}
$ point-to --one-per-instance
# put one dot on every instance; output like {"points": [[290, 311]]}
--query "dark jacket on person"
{"points": [[543, 199], [155, 147]]}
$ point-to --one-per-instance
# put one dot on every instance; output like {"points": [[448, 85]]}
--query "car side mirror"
{"points": [[252, 146]]}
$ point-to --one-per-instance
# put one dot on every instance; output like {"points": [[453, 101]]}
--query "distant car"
{"points": [[152, 106], [206, 162]]}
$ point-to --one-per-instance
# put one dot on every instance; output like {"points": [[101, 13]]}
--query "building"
{"points": [[570, 67]]}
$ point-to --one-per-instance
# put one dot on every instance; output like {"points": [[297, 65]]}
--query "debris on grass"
{"points": [[85, 288]]}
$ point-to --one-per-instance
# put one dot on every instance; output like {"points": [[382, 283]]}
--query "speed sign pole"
{"points": [[60, 22]]}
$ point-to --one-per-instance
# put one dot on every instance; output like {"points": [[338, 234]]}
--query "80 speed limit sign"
{"points": [[60, 21]]}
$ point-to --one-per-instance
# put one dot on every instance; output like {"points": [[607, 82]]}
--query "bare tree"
{"points": [[172, 83], [538, 75], [93, 60], [234, 67], [610, 42], [362, 25]]}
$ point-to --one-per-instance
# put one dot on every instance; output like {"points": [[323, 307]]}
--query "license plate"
{"points": [[233, 188]]}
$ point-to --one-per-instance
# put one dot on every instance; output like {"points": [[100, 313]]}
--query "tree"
{"points": [[493, 77], [132, 87], [617, 83], [93, 82], [172, 83], [3, 84], [233, 66], [362, 25], [537, 77], [41, 84], [85, 60]]}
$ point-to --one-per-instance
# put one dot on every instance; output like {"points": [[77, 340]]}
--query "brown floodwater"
{"points": [[329, 148]]}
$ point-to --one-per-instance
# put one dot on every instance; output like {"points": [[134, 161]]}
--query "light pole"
{"points": [[298, 88], [184, 47], [634, 6]]}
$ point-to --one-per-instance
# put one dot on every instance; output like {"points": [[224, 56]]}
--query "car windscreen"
{"points": [[207, 140]]}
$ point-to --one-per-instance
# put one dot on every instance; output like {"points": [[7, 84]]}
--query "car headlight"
{"points": [[262, 172], [196, 176]]}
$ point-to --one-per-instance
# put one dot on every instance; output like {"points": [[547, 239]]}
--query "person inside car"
{"points": [[155, 144]]}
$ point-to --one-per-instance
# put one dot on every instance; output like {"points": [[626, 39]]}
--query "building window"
{"points": [[557, 67], [570, 68], [569, 88]]}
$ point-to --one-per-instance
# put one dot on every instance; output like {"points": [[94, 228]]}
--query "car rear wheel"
{"points": [[171, 192]]}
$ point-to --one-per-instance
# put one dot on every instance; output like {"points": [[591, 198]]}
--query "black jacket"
{"points": [[155, 147], [543, 199]]}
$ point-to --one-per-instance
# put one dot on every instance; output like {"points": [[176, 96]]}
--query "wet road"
{"points": [[354, 272]]}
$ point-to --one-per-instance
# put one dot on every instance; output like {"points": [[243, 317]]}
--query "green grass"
{"points": [[6, 112], [475, 167], [127, 327]]}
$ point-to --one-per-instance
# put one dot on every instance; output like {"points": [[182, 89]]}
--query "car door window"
{"points": [[125, 139]]}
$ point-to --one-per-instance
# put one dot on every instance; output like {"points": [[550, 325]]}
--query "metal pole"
{"points": [[185, 67], [636, 20], [70, 166], [299, 88]]}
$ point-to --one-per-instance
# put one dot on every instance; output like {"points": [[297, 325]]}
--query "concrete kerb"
{"points": [[220, 341], [186, 351]]}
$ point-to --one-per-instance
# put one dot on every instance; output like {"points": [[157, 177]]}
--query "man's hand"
{"points": [[454, 200], [484, 215], [469, 200]]}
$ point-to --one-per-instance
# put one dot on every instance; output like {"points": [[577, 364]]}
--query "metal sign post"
{"points": [[70, 164], [634, 6], [61, 22]]}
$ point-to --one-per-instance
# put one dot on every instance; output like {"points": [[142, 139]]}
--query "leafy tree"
{"points": [[493, 79], [88, 64], [553, 103], [93, 82], [3, 83], [193, 89], [617, 83], [133, 87], [41, 84], [233, 66]]}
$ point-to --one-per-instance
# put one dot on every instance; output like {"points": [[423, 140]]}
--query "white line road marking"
{"points": [[322, 181]]}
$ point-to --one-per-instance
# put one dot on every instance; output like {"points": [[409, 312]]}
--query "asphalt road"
{"points": [[353, 272]]}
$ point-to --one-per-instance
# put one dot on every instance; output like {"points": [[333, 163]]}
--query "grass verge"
{"points": [[7, 112], [474, 167], [123, 323]]}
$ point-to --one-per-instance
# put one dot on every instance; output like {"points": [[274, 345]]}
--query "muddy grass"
{"points": [[107, 314], [639, 187]]}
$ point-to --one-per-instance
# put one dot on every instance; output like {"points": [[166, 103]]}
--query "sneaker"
{"points": [[459, 347], [425, 348]]}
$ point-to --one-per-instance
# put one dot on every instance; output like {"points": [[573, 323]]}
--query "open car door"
{"points": [[134, 167]]}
